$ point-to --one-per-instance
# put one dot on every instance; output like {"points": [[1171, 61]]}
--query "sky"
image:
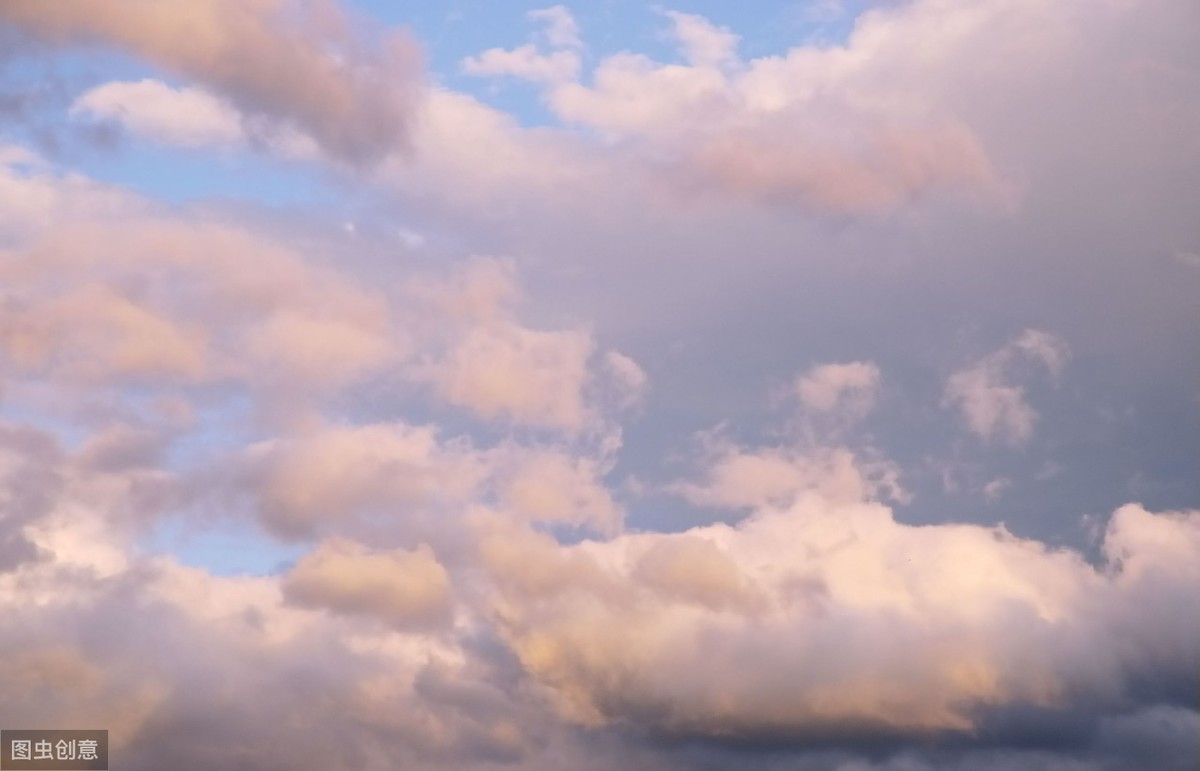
{"points": [[487, 385]]}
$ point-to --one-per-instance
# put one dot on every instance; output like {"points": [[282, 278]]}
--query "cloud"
{"points": [[554, 487], [133, 298], [811, 129], [996, 488], [404, 588], [524, 62], [159, 298], [630, 379], [190, 117], [26, 491], [503, 371], [333, 476], [816, 129], [186, 117], [261, 680], [878, 169], [833, 622], [561, 64], [850, 387], [507, 558], [562, 31], [107, 336], [295, 65], [36, 196], [527, 376], [775, 477], [702, 42], [992, 406], [695, 570]]}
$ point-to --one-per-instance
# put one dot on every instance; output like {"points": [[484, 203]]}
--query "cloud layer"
{"points": [[731, 407]]}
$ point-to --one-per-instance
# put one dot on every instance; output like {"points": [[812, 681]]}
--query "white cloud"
{"points": [[559, 65], [992, 405], [184, 116], [630, 379], [703, 43], [850, 388], [524, 62], [776, 477], [562, 31]]}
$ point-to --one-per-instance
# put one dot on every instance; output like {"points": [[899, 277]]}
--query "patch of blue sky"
{"points": [[234, 546], [42, 88], [225, 538], [225, 543], [452, 31], [222, 426], [180, 175], [68, 72], [67, 432]]}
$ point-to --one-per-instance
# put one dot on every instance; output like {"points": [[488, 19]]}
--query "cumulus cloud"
{"points": [[834, 620], [137, 298], [249, 654], [328, 477], [812, 128], [186, 117], [488, 362], [133, 299], [738, 477], [528, 376], [820, 619], [400, 482], [298, 65], [560, 64], [554, 487], [182, 116], [702, 42], [873, 125], [992, 405], [402, 587]]}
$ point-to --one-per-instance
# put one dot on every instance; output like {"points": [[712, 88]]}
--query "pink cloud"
{"points": [[300, 64]]}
